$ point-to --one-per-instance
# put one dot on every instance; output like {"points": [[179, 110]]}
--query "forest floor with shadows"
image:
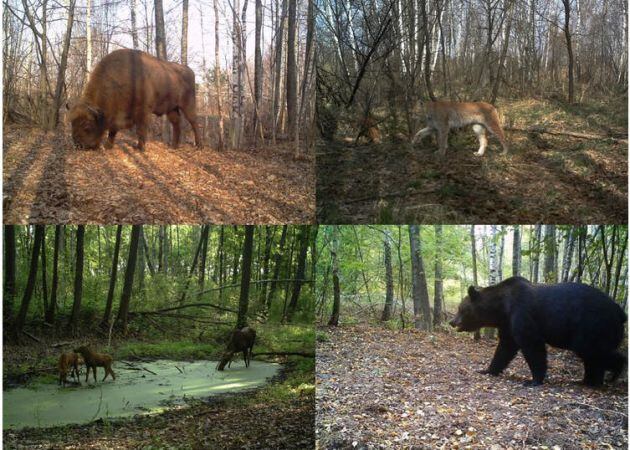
{"points": [[378, 388], [544, 178], [280, 414], [47, 181]]}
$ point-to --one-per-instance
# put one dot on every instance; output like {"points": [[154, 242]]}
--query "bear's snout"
{"points": [[452, 323]]}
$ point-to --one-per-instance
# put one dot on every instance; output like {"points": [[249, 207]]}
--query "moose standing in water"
{"points": [[240, 341]]}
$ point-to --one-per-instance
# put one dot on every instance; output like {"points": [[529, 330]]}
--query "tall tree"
{"points": [[568, 38], [421, 306], [438, 299], [63, 64], [258, 70], [276, 267], [550, 271], [112, 280], [30, 283], [516, 251], [184, 44], [217, 75], [52, 307], [292, 112], [160, 35], [389, 278], [246, 271], [9, 271], [334, 251], [473, 246], [301, 270], [78, 282], [125, 297]]}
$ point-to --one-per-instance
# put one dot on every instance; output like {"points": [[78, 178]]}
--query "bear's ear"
{"points": [[473, 293]]}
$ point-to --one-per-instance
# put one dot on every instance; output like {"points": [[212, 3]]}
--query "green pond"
{"points": [[133, 392]]}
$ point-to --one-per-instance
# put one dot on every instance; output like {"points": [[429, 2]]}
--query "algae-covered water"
{"points": [[133, 392]]}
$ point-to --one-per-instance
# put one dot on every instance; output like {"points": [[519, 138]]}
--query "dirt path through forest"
{"points": [[47, 181], [379, 388], [568, 180]]}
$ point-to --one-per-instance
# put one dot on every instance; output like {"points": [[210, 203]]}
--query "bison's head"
{"points": [[88, 125]]}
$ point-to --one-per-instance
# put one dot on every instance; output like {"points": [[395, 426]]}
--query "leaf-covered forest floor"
{"points": [[46, 180], [279, 415], [378, 388], [544, 178]]}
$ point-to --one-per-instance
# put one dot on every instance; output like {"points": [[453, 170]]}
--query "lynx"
{"points": [[442, 116]]}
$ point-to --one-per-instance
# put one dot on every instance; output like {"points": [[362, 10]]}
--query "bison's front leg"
{"points": [[173, 117], [142, 129], [110, 138]]}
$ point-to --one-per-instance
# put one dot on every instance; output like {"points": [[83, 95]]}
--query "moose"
{"points": [[68, 362], [240, 341], [94, 360]]}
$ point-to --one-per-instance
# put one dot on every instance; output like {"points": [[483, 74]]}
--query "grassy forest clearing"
{"points": [[392, 372], [556, 71], [163, 302]]}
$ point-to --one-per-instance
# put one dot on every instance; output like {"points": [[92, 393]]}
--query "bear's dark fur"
{"points": [[570, 316]]}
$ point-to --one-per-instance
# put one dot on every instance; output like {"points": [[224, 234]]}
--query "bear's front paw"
{"points": [[532, 383], [489, 372]]}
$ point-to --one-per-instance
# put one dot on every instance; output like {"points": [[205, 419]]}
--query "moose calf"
{"points": [[240, 341], [94, 360], [66, 362]]}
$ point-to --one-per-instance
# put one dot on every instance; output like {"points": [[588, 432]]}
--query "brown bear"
{"points": [[571, 316]]}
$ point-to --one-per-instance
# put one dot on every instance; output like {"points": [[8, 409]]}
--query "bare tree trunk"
{"points": [[389, 278], [473, 247], [421, 305], [567, 36], [88, 39], [237, 81], [292, 110], [9, 272], [334, 251], [184, 44], [61, 74], [112, 281], [217, 74], [516, 252], [246, 273], [78, 282], [125, 297], [438, 299], [258, 71], [300, 272], [550, 271], [160, 36], [277, 106], [30, 283], [52, 307], [134, 26]]}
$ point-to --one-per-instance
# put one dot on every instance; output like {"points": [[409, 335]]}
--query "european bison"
{"points": [[125, 87], [240, 341]]}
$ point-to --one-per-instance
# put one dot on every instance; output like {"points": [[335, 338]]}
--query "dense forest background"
{"points": [[377, 57], [415, 276], [137, 280]]}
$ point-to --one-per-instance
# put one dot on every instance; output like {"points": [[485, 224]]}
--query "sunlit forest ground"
{"points": [[392, 388], [47, 181], [544, 178], [275, 415]]}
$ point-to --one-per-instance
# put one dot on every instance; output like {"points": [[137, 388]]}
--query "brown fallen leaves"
{"points": [[47, 181], [378, 388]]}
